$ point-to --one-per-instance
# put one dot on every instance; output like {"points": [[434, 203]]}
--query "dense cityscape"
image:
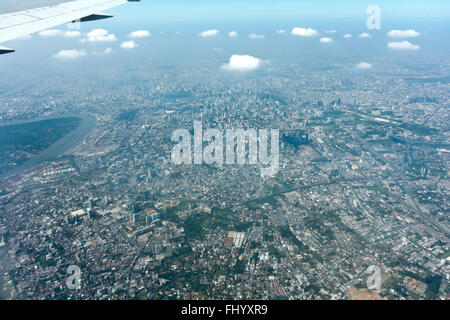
{"points": [[363, 181]]}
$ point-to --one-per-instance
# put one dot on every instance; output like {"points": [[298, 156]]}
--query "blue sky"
{"points": [[257, 9], [175, 27]]}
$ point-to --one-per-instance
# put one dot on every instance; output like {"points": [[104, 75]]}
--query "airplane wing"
{"points": [[21, 18]]}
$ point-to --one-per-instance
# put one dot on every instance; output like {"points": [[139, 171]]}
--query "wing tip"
{"points": [[4, 50]]}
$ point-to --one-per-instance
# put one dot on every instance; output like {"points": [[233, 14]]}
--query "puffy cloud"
{"points": [[51, 33], [364, 35], [404, 45], [242, 63], [209, 33], [256, 36], [140, 34], [69, 54], [330, 31], [72, 34], [233, 34], [326, 40], [403, 34], [281, 31], [364, 65], [128, 45], [100, 35], [107, 51], [347, 36], [304, 32]]}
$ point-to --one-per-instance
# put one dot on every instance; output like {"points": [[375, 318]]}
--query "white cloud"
{"points": [[51, 33], [69, 54], [364, 65], [107, 51], [100, 35], [403, 34], [347, 36], [404, 45], [364, 35], [330, 31], [256, 36], [242, 63], [72, 34], [233, 34], [209, 33], [304, 32], [281, 31], [128, 45], [140, 34], [326, 40]]}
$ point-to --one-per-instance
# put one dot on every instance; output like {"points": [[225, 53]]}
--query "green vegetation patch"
{"points": [[19, 142]]}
